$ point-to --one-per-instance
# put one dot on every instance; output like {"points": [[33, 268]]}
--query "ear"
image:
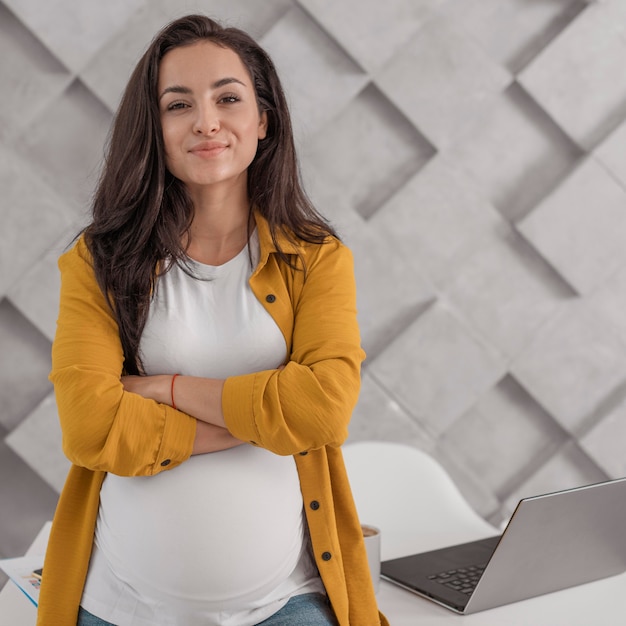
{"points": [[263, 125]]}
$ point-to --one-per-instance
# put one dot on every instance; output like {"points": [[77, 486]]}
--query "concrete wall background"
{"points": [[471, 154]]}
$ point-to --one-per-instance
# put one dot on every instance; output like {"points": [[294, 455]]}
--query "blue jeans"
{"points": [[309, 609]]}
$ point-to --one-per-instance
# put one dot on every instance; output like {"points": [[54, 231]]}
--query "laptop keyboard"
{"points": [[463, 579]]}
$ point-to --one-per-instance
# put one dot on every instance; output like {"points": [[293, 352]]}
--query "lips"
{"points": [[208, 148]]}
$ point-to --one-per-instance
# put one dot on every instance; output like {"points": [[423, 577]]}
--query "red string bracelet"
{"points": [[172, 391]]}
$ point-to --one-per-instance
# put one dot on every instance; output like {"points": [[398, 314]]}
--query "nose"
{"points": [[206, 121]]}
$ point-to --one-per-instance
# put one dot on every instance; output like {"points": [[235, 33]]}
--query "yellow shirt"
{"points": [[302, 410]]}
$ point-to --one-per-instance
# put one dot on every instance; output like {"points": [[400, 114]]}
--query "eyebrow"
{"points": [[216, 85]]}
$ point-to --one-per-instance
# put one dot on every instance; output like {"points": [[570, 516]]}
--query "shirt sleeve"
{"points": [[308, 404], [104, 427]]}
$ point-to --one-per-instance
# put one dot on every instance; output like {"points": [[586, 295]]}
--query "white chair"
{"points": [[410, 497]]}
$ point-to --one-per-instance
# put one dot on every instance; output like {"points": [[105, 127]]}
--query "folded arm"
{"points": [[198, 397], [307, 403], [105, 427]]}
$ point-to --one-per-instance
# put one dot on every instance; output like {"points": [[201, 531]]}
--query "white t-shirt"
{"points": [[220, 539]]}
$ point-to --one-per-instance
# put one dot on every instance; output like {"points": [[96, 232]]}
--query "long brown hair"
{"points": [[141, 211]]}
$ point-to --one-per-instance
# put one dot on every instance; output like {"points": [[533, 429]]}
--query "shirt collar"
{"points": [[266, 244]]}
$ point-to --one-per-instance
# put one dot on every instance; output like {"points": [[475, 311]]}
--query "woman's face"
{"points": [[209, 115]]}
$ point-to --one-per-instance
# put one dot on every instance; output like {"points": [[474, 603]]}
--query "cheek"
{"points": [[171, 144], [253, 132], [168, 138]]}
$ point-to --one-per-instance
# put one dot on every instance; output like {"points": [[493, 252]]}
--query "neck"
{"points": [[219, 229]]}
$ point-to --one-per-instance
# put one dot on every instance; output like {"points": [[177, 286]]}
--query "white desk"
{"points": [[594, 604]]}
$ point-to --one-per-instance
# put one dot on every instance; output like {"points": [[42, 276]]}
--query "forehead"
{"points": [[200, 63]]}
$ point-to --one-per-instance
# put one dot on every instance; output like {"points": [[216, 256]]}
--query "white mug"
{"points": [[371, 536]]}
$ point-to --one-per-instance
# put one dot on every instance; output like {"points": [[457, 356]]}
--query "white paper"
{"points": [[20, 571]]}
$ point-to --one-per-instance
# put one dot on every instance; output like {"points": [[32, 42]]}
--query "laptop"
{"points": [[553, 541]]}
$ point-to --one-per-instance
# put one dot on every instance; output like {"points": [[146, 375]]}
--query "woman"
{"points": [[206, 363]]}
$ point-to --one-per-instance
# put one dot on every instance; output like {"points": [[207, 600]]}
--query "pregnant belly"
{"points": [[222, 526]]}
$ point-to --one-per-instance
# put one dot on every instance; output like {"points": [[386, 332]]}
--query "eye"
{"points": [[229, 98], [175, 106]]}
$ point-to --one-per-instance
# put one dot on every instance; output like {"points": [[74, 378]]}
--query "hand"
{"points": [[152, 387], [211, 438]]}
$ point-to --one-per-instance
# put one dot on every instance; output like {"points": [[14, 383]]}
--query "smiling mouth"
{"points": [[208, 149]]}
